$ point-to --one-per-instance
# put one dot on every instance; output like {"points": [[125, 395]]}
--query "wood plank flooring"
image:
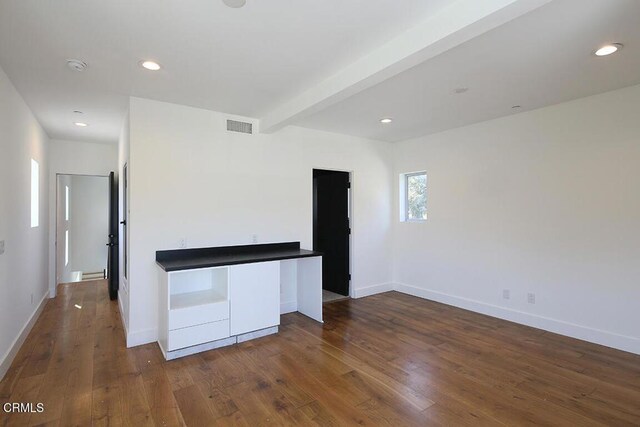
{"points": [[385, 360]]}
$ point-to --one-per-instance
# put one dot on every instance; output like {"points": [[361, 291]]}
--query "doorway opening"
{"points": [[332, 230], [82, 228]]}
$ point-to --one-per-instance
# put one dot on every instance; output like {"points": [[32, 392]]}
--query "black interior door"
{"points": [[331, 228], [113, 273]]}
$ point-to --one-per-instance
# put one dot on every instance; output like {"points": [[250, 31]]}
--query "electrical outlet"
{"points": [[506, 294], [182, 243], [254, 238], [1, 247], [531, 298]]}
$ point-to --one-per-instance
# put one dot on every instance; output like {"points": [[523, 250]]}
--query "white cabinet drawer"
{"points": [[195, 335], [197, 315]]}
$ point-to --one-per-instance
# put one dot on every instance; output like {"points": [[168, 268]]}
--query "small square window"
{"points": [[413, 192]]}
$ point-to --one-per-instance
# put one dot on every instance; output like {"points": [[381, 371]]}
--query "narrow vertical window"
{"points": [[66, 203], [35, 194], [413, 188], [66, 247]]}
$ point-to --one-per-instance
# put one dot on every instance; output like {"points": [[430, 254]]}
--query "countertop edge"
{"points": [[196, 265]]}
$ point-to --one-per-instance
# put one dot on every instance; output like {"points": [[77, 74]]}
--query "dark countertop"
{"points": [[187, 259]]}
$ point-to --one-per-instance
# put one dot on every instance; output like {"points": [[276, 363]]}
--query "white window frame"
{"points": [[66, 203], [35, 193], [66, 248], [404, 196]]}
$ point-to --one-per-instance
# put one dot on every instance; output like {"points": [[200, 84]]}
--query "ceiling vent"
{"points": [[242, 127]]}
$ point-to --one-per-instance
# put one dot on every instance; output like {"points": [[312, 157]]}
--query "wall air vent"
{"points": [[242, 127]]}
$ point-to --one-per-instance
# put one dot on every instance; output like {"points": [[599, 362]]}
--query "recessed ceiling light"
{"points": [[516, 107], [81, 124], [235, 3], [608, 49], [150, 65], [386, 120], [460, 90], [77, 112], [76, 64]]}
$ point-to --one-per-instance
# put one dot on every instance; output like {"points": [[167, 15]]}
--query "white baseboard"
{"points": [[597, 336], [257, 334], [8, 357], [136, 338], [288, 307], [197, 348], [372, 290], [121, 309]]}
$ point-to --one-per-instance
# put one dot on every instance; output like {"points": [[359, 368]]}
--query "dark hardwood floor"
{"points": [[388, 359]]}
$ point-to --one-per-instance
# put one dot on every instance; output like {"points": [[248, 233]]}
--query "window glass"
{"points": [[35, 193], [415, 196], [66, 203]]}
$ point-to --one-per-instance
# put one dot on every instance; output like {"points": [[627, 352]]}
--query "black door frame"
{"points": [[349, 212]]}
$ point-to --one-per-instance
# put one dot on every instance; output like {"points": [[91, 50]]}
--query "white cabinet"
{"points": [[194, 308], [206, 308], [200, 308], [254, 294], [199, 334], [198, 314]]}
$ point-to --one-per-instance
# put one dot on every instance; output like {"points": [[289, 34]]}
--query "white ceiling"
{"points": [[239, 61], [539, 59], [320, 64]]}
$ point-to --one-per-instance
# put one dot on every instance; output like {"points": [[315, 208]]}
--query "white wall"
{"points": [[190, 178], [89, 223], [547, 202], [23, 266], [74, 158]]}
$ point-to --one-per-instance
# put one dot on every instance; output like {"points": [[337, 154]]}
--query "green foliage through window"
{"points": [[416, 196]]}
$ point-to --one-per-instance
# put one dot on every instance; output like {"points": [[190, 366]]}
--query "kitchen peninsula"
{"points": [[219, 296]]}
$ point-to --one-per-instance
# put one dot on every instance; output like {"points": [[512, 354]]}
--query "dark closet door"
{"points": [[113, 270], [331, 228]]}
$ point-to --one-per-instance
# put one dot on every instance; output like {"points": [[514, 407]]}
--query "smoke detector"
{"points": [[235, 3], [76, 64]]}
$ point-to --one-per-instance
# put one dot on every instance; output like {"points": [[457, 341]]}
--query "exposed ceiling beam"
{"points": [[450, 27]]}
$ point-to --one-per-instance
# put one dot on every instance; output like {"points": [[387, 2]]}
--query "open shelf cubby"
{"points": [[192, 288]]}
